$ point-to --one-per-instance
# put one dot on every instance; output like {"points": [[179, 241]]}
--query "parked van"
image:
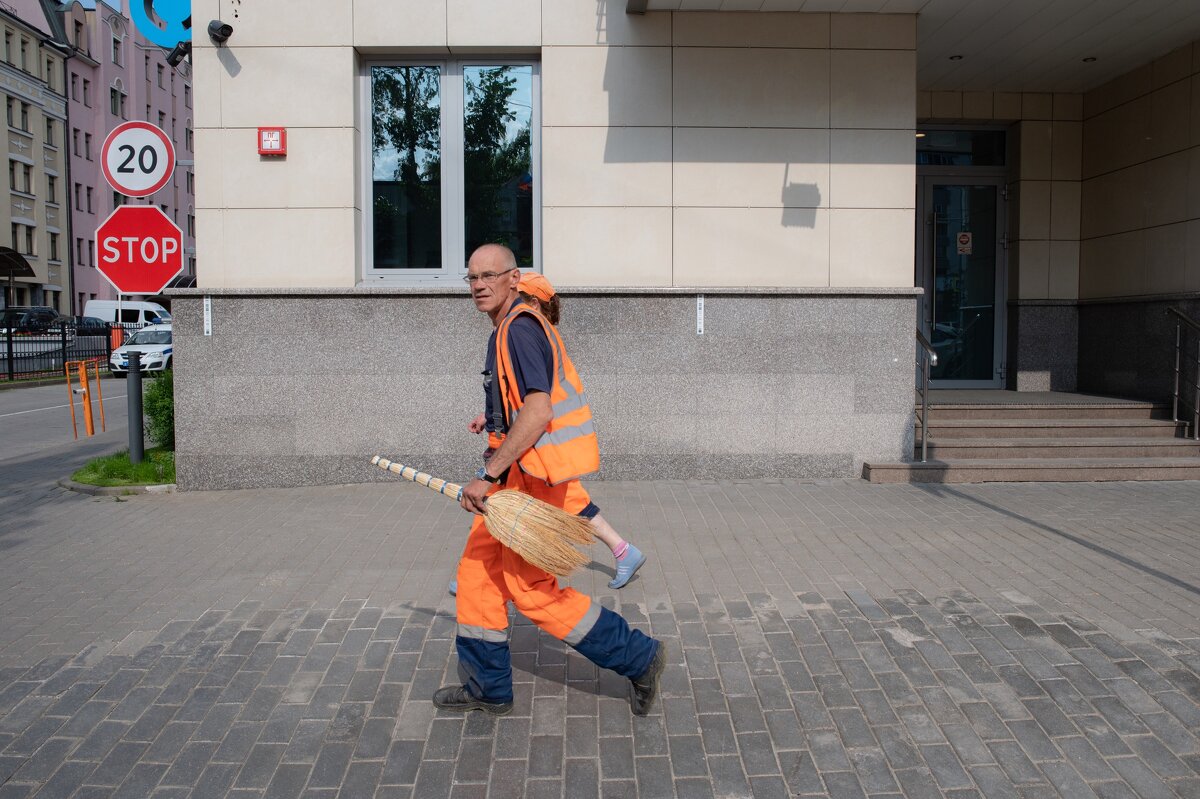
{"points": [[133, 312]]}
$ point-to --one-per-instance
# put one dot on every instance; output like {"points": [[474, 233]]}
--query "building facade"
{"points": [[749, 215], [95, 72], [36, 216]]}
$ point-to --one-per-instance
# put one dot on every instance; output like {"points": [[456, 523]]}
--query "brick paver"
{"points": [[826, 639]]}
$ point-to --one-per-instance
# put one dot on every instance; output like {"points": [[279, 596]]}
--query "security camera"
{"points": [[219, 31], [178, 53]]}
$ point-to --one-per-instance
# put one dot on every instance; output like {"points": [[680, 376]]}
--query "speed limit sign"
{"points": [[137, 158]]}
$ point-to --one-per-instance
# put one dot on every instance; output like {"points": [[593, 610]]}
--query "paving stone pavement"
{"points": [[826, 639]]}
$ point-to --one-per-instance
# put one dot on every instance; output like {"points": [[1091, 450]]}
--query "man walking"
{"points": [[536, 399]]}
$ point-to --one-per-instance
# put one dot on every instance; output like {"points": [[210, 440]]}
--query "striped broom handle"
{"points": [[425, 479]]}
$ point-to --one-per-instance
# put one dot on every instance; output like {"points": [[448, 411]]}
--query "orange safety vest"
{"points": [[568, 449]]}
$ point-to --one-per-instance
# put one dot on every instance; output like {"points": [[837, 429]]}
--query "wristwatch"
{"points": [[483, 475]]}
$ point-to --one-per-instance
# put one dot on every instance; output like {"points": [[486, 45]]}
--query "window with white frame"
{"points": [[453, 144]]}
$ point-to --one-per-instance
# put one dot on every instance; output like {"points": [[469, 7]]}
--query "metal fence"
{"points": [[26, 354]]}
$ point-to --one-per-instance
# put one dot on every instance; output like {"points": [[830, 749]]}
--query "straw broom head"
{"points": [[539, 532]]}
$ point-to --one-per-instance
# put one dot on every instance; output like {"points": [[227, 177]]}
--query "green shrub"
{"points": [[158, 404]]}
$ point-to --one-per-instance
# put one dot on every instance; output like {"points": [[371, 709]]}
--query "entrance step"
{"points": [[1018, 470], [1050, 428], [953, 449], [1048, 411]]}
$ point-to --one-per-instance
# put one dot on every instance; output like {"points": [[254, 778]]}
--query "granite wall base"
{"points": [[304, 389], [1043, 345], [1127, 348]]}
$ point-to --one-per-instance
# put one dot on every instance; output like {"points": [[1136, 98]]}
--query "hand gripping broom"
{"points": [[539, 532]]}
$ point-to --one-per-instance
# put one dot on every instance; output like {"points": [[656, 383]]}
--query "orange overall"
{"points": [[490, 574]]}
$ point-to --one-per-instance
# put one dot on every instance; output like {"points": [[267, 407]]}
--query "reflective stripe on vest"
{"points": [[568, 449]]}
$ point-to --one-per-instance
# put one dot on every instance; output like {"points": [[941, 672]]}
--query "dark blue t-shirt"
{"points": [[531, 356]]}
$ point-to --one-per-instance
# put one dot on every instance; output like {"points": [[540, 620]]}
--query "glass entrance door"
{"points": [[961, 269]]}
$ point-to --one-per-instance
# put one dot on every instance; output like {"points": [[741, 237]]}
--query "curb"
{"points": [[116, 491]]}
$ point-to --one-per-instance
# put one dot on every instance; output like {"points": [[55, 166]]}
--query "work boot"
{"points": [[459, 699], [644, 690], [626, 566]]}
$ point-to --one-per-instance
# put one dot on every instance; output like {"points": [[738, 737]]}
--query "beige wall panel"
{"points": [[1114, 202], [210, 181], [870, 247], [1068, 107], [752, 88], [1037, 105], [1064, 270], [873, 88], [207, 72], [607, 246], [873, 31], [306, 23], [399, 23], [1036, 150], [756, 167], [1033, 275], [1112, 266], [1166, 189], [1117, 138], [606, 86], [1033, 201], [290, 248], [264, 91], [947, 105], [1166, 259], [1193, 190], [1120, 89], [606, 166], [317, 173], [211, 261], [1066, 150], [1064, 210], [1006, 106], [1194, 125], [871, 169], [1175, 65], [1192, 274], [924, 105], [751, 247], [566, 22], [1169, 121], [977, 105], [751, 30], [493, 23]]}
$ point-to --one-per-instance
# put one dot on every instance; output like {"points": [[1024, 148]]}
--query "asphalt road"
{"points": [[37, 447]]}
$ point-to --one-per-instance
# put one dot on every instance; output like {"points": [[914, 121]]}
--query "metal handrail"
{"points": [[1180, 380], [929, 360]]}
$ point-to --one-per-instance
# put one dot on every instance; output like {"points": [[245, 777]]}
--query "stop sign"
{"points": [[141, 249]]}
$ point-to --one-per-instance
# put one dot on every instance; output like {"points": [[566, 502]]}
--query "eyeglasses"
{"points": [[486, 277]]}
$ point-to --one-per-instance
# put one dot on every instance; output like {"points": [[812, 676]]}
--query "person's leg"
{"points": [[597, 633], [628, 557], [482, 635]]}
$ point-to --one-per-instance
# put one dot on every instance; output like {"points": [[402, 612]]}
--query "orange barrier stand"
{"points": [[81, 369]]}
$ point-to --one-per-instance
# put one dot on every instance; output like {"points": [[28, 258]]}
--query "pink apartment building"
{"points": [[113, 75]]}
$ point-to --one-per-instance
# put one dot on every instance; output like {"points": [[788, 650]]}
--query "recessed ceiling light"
{"points": [[920, 134], [1089, 59], [956, 58]]}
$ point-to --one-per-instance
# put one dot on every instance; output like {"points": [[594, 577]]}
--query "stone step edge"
{"points": [[1031, 422], [1063, 442], [1039, 463]]}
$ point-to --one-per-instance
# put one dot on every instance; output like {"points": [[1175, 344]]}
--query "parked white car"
{"points": [[153, 342]]}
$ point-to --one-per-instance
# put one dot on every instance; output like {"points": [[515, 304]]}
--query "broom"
{"points": [[537, 531]]}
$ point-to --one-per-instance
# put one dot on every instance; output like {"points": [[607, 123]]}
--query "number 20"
{"points": [[147, 150]]}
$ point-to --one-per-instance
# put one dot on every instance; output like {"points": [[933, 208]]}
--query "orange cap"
{"points": [[535, 285]]}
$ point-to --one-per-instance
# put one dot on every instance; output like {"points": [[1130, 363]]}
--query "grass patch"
{"points": [[115, 470]]}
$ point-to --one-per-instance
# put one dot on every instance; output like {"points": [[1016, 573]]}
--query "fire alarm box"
{"points": [[272, 141]]}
